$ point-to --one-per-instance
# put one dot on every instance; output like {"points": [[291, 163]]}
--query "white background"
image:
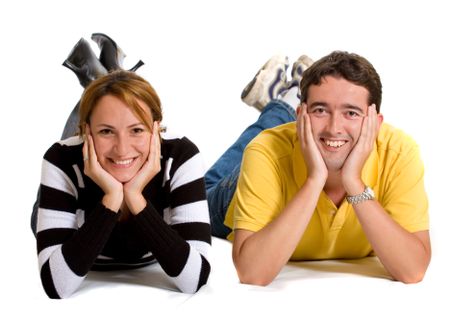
{"points": [[199, 55]]}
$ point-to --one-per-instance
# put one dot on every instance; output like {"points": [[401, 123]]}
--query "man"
{"points": [[335, 183]]}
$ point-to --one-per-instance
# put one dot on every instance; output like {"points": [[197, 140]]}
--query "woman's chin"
{"points": [[123, 178]]}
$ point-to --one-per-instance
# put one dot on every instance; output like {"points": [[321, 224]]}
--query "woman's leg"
{"points": [[87, 67], [71, 126], [221, 178]]}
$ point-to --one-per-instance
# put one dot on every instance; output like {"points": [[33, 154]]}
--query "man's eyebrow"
{"points": [[318, 103], [353, 107], [344, 106]]}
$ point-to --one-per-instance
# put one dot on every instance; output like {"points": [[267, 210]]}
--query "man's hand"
{"points": [[112, 188], [352, 169], [317, 170], [133, 188]]}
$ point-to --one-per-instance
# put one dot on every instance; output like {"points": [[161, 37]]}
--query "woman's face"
{"points": [[121, 140]]}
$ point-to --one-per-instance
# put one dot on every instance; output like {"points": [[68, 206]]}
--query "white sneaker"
{"points": [[267, 83], [302, 63]]}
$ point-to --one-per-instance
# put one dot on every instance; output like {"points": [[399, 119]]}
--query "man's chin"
{"points": [[334, 166]]}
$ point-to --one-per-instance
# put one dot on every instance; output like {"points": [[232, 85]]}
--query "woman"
{"points": [[121, 196]]}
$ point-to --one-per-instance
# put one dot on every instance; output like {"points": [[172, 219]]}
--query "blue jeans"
{"points": [[221, 178]]}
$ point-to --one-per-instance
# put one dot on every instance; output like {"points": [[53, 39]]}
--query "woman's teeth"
{"points": [[123, 162]]}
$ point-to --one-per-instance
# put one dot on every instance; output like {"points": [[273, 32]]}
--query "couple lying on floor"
{"points": [[317, 176]]}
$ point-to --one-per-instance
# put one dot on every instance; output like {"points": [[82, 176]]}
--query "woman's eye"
{"points": [[105, 132], [138, 130]]}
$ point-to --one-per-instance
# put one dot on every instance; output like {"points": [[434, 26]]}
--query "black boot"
{"points": [[83, 62], [111, 55]]}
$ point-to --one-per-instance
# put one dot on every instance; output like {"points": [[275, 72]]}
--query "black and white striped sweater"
{"points": [[76, 233]]}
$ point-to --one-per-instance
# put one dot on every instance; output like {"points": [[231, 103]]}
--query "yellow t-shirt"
{"points": [[273, 170]]}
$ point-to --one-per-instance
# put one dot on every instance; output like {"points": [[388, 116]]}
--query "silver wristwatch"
{"points": [[367, 194]]}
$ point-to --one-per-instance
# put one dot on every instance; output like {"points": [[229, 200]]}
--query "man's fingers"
{"points": [[371, 125], [303, 124]]}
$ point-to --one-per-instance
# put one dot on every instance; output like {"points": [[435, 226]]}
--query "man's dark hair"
{"points": [[352, 67]]}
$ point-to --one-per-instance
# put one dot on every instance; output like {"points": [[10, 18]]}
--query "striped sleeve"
{"points": [[181, 240], [65, 251]]}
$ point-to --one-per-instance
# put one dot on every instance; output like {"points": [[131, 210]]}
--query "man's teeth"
{"points": [[335, 144], [123, 162]]}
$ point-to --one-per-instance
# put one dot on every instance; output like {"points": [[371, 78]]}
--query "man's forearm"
{"points": [[405, 255], [259, 256]]}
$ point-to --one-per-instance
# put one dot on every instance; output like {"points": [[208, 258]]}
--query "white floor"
{"points": [[321, 288], [199, 55]]}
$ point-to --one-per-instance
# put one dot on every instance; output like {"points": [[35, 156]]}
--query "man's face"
{"points": [[336, 108]]}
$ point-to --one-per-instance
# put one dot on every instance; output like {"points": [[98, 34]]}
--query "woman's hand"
{"points": [[112, 188], [133, 188]]}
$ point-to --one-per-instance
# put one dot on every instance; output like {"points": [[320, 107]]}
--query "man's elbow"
{"points": [[253, 278], [411, 278]]}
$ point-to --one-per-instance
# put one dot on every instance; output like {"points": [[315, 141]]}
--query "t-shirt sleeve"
{"points": [[404, 197], [259, 193]]}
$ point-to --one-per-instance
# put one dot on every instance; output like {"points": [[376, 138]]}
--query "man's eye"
{"points": [[319, 111], [352, 114]]}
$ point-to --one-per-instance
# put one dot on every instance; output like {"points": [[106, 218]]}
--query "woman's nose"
{"points": [[121, 145]]}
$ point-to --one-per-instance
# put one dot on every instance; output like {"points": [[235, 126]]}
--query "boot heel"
{"points": [[111, 55], [83, 62], [138, 65]]}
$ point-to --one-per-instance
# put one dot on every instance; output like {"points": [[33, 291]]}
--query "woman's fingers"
{"points": [[157, 145], [155, 149]]}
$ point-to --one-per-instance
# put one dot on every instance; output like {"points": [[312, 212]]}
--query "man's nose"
{"points": [[335, 124]]}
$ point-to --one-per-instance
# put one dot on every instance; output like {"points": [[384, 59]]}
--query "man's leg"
{"points": [[221, 178], [262, 92]]}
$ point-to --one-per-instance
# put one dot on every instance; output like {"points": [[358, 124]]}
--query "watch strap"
{"points": [[367, 194]]}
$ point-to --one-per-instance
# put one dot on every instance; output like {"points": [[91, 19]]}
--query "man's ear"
{"points": [[380, 119]]}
